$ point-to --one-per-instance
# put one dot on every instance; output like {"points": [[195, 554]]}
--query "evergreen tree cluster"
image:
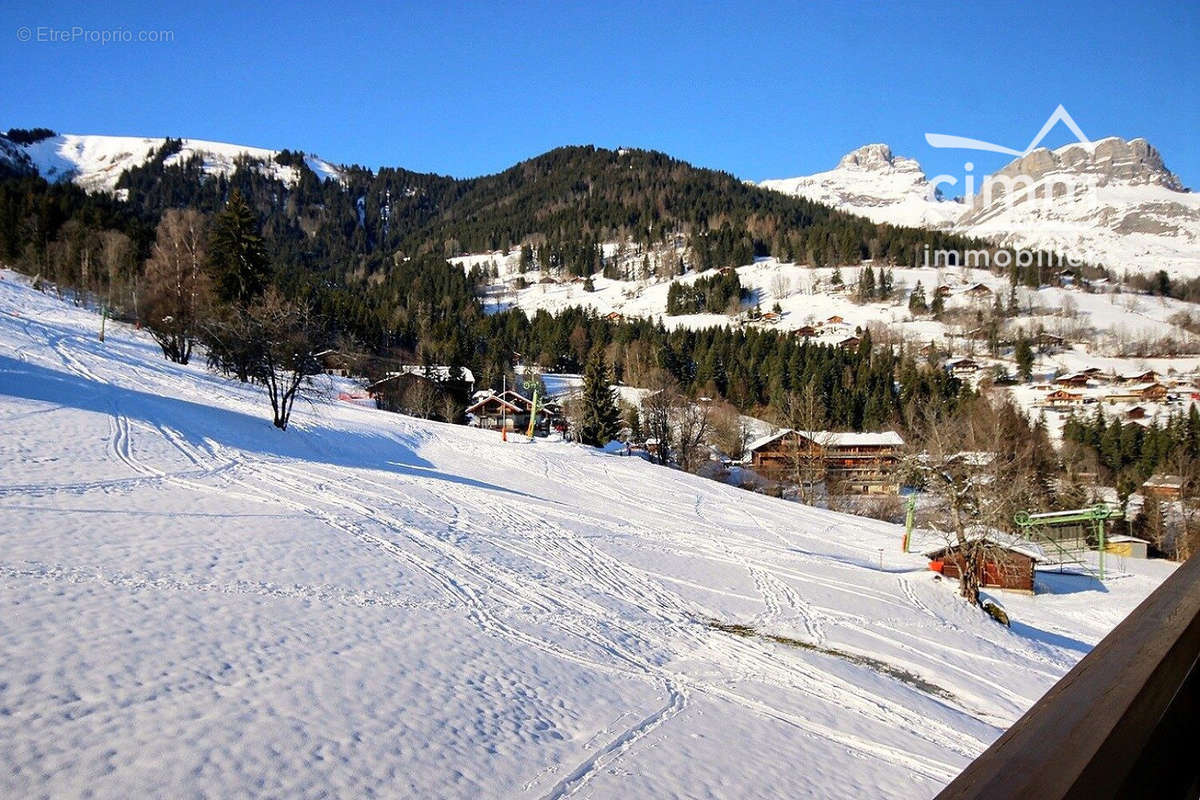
{"points": [[1134, 452], [714, 294], [369, 255]]}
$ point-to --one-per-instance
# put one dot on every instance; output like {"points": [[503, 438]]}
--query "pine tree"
{"points": [[237, 257], [1024, 357], [886, 284], [601, 416], [916, 301], [866, 284]]}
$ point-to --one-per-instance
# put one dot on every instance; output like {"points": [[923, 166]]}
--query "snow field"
{"points": [[194, 602]]}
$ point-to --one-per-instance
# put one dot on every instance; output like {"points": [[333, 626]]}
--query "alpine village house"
{"points": [[848, 463]]}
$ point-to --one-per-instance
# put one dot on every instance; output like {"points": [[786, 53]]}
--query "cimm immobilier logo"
{"points": [[1013, 188]]}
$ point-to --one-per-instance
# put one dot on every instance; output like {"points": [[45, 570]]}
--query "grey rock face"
{"points": [[1113, 159]]}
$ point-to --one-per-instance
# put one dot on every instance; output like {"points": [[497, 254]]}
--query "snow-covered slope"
{"points": [[368, 604], [1111, 323], [1137, 218], [873, 183], [96, 162]]}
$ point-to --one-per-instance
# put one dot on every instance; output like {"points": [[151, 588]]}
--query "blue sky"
{"points": [[764, 90]]}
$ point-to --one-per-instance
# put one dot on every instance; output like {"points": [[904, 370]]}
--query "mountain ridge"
{"points": [[1113, 203]]}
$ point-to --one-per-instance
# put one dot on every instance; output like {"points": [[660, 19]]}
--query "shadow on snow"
{"points": [[197, 423]]}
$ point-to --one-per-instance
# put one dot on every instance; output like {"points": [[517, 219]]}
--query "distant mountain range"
{"points": [[1137, 216], [96, 162]]}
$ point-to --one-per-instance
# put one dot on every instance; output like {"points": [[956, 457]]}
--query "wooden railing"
{"points": [[1125, 722]]}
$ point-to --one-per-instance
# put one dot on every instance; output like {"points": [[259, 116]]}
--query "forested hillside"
{"points": [[367, 253]]}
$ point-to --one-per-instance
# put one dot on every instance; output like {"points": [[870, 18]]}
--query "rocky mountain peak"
{"points": [[1110, 160], [869, 156]]}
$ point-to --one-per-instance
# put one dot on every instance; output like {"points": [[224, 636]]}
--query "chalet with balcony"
{"points": [[849, 463], [979, 292], [511, 410], [1048, 341], [1138, 393], [1064, 398], [849, 343], [963, 367], [1147, 376]]}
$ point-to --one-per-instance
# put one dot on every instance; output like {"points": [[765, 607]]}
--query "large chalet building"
{"points": [[848, 463], [511, 410]]}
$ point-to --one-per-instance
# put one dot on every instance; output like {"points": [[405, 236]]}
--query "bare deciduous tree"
{"points": [[452, 410], [658, 410], [781, 285], [979, 471], [421, 398], [804, 413], [274, 342], [730, 432], [291, 338], [693, 424], [177, 289]]}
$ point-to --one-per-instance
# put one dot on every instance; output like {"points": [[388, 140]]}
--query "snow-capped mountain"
{"points": [[1113, 203], [874, 183], [96, 162]]}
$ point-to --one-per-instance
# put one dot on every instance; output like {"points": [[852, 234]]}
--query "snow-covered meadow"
{"points": [[196, 603]]}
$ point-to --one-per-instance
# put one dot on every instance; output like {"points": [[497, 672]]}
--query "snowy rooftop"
{"points": [[439, 373], [835, 438]]}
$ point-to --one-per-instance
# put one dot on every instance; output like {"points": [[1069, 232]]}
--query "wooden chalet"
{"points": [[979, 292], [963, 367], [391, 391], [806, 331], [1140, 393], [1075, 380], [1006, 565], [1064, 398], [337, 363], [835, 320], [854, 463], [512, 410], [1148, 376], [1164, 486], [849, 343]]}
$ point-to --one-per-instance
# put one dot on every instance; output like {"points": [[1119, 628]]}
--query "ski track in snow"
{"points": [[610, 568]]}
